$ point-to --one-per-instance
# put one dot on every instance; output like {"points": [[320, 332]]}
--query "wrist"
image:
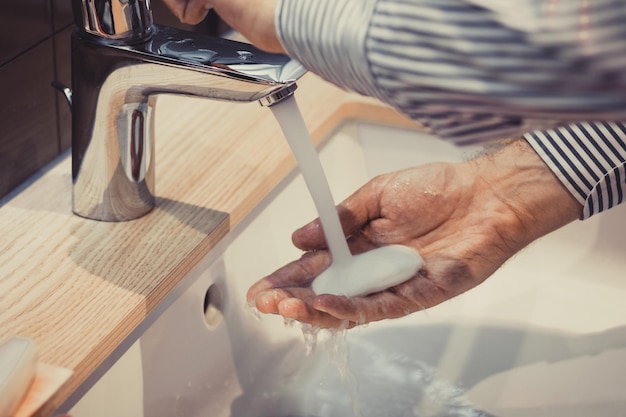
{"points": [[536, 201]]}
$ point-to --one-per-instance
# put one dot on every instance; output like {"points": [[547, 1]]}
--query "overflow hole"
{"points": [[213, 306]]}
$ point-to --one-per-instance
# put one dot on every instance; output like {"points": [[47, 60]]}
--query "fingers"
{"points": [[195, 11], [268, 301], [191, 12], [331, 311], [252, 19], [362, 310], [354, 213], [419, 293], [428, 288], [309, 237], [296, 304], [296, 274], [296, 309], [297, 301]]}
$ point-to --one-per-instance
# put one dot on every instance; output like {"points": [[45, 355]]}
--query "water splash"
{"points": [[310, 338], [254, 312], [383, 383]]}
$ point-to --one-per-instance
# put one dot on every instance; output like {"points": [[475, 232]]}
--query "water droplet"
{"points": [[251, 306], [245, 55], [289, 322], [310, 337]]}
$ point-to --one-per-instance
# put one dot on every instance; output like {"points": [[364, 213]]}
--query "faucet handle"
{"points": [[114, 19]]}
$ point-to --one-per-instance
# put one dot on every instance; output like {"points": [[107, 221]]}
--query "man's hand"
{"points": [[254, 19], [189, 11], [465, 219]]}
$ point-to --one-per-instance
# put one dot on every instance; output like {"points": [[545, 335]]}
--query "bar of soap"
{"points": [[18, 363], [370, 272]]}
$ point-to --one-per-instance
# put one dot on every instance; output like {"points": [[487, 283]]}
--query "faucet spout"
{"points": [[116, 78]]}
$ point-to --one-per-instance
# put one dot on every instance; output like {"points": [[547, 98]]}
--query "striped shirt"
{"points": [[552, 71]]}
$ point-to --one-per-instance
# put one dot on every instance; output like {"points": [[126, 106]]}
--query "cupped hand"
{"points": [[465, 219]]}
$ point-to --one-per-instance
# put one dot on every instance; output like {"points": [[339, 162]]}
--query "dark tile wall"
{"points": [[35, 119]]}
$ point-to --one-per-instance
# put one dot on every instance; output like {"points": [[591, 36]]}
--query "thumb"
{"points": [[354, 213], [195, 11]]}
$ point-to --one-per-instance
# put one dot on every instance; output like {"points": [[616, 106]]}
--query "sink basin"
{"points": [[545, 336]]}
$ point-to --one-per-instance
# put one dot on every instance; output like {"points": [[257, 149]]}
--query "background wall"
{"points": [[35, 120]]}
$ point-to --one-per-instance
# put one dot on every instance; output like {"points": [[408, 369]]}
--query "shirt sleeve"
{"points": [[589, 158], [470, 69], [476, 70]]}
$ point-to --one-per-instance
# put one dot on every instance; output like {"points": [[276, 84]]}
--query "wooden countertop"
{"points": [[80, 287]]}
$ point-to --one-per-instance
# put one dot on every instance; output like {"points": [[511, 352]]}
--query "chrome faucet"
{"points": [[121, 62]]}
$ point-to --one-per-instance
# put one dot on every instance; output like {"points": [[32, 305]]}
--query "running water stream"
{"points": [[345, 381], [348, 275]]}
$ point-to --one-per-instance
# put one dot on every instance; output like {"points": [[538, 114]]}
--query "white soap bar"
{"points": [[18, 363], [370, 272]]}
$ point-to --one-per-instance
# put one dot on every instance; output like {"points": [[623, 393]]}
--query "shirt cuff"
{"points": [[589, 159]]}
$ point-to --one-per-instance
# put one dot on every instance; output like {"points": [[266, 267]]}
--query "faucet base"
{"points": [[128, 203], [114, 91]]}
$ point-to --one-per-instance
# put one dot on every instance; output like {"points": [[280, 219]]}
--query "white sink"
{"points": [[544, 336]]}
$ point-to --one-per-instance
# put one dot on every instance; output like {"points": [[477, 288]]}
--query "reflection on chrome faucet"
{"points": [[121, 61]]}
